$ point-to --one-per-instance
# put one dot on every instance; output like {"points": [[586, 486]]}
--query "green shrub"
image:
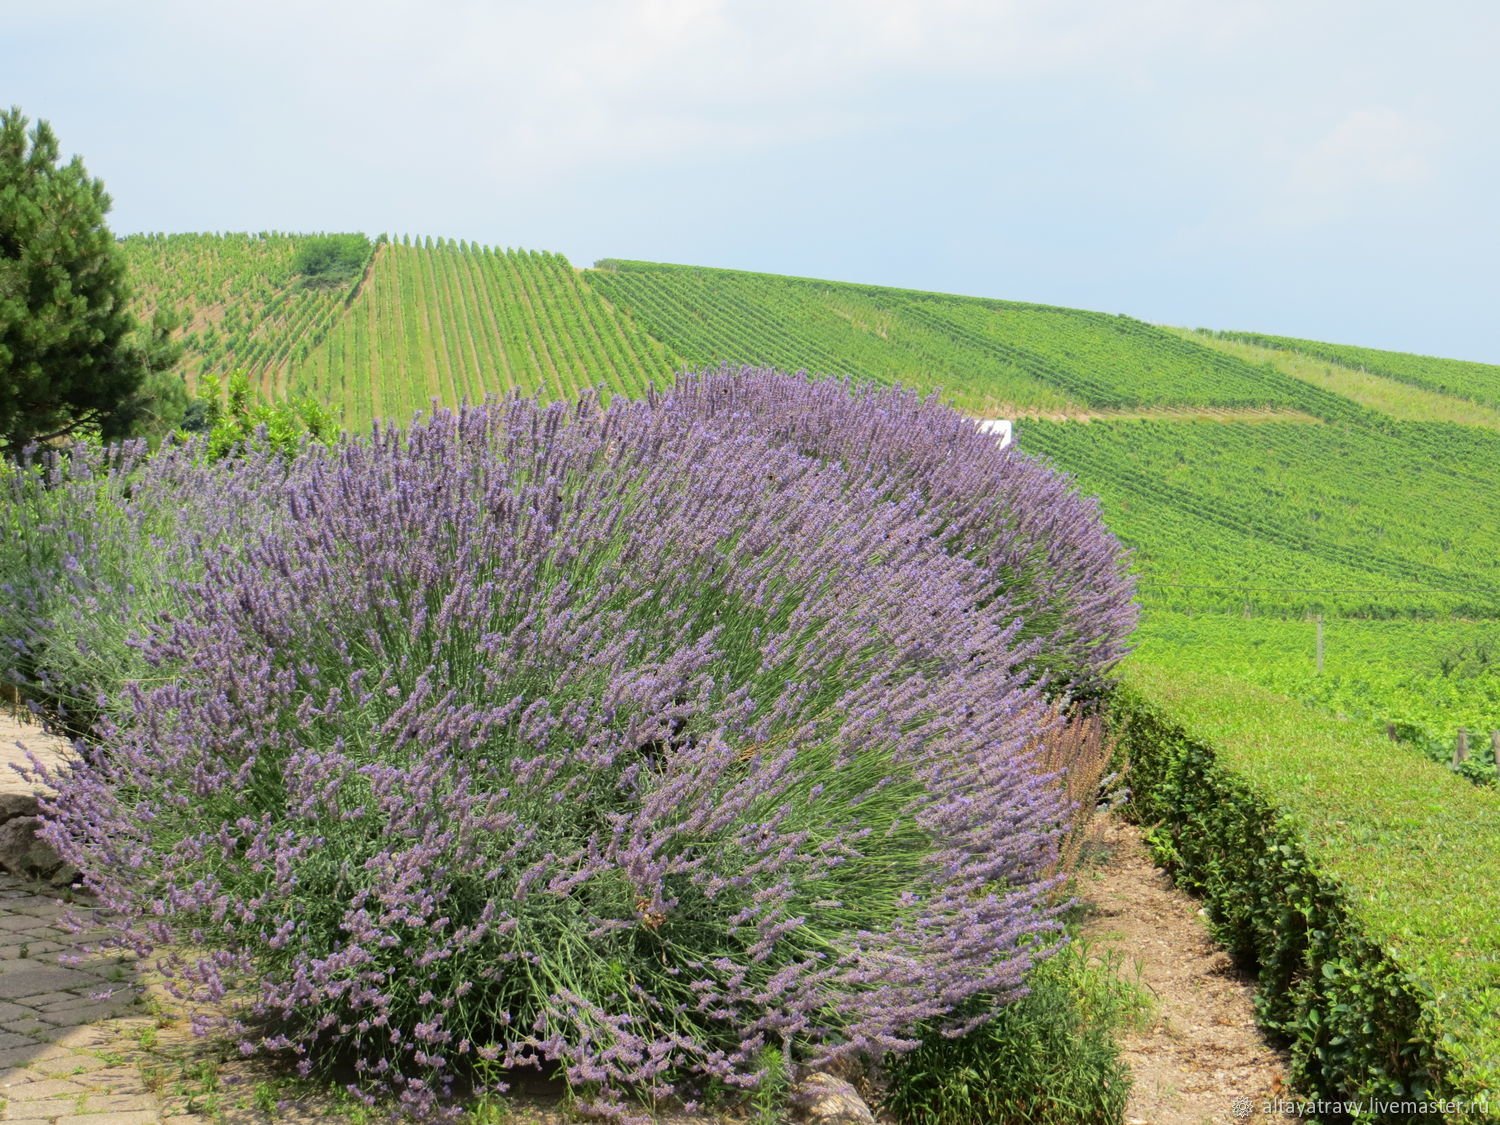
{"points": [[1049, 1058], [235, 419], [331, 259], [78, 576], [1356, 880]]}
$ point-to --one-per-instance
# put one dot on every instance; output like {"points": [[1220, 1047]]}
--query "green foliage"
{"points": [[236, 419], [1049, 1058], [1424, 678], [986, 356], [1479, 382], [160, 406], [68, 360], [1359, 890], [69, 655], [331, 259], [1293, 519], [768, 1099], [246, 310], [452, 325]]}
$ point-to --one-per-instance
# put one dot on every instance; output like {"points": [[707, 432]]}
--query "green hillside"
{"points": [[440, 319], [455, 321], [246, 308], [986, 356], [1243, 534], [1297, 519], [1258, 478], [1479, 382]]}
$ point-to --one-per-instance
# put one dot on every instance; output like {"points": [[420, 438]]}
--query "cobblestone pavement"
{"points": [[80, 1037], [71, 1035]]}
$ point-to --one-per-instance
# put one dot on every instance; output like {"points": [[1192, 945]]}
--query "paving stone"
{"points": [[64, 1036], [32, 904], [31, 978], [30, 941], [16, 1057], [91, 998], [46, 1088], [102, 1083], [135, 1117], [118, 1103], [24, 1074], [19, 946], [17, 922], [43, 999], [71, 1062], [90, 1013], [39, 1111]]}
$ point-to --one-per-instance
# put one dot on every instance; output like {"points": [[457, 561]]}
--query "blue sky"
{"points": [[1320, 169]]}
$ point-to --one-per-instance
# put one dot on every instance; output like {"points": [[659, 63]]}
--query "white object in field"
{"points": [[1000, 427]]}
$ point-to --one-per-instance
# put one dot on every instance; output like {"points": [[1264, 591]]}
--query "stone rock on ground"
{"points": [[823, 1099], [21, 853]]}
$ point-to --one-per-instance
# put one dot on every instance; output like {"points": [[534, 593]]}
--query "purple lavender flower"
{"points": [[1049, 558], [631, 741]]}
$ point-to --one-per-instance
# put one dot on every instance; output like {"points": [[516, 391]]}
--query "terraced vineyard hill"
{"points": [[437, 320], [246, 309], [456, 321], [985, 356], [1295, 519], [1479, 382], [1315, 532], [1258, 478]]}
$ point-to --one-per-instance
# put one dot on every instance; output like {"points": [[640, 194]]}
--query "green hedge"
{"points": [[1357, 880]]}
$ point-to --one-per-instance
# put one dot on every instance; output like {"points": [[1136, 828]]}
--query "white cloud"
{"points": [[1374, 156], [563, 84], [1371, 146]]}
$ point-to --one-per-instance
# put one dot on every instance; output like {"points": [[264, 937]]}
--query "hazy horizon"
{"points": [[1323, 171]]}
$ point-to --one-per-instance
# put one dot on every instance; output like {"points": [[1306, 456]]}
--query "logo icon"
{"points": [[1241, 1108]]}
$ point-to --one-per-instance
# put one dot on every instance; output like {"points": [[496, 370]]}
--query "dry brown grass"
{"points": [[1079, 751]]}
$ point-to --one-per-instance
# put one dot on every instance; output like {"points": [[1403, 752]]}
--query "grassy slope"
{"points": [[1390, 533], [1376, 392], [1378, 512], [987, 357], [244, 309], [1479, 382], [1375, 521], [455, 323]]}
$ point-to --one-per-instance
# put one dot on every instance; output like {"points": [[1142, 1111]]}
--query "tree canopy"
{"points": [[70, 357], [331, 259]]}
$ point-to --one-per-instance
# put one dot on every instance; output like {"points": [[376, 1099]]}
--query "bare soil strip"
{"points": [[1202, 1050]]}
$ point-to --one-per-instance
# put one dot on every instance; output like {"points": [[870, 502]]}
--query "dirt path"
{"points": [[1202, 1051]]}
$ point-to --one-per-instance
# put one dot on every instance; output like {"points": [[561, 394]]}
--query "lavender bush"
{"points": [[1049, 560], [624, 740], [92, 543]]}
